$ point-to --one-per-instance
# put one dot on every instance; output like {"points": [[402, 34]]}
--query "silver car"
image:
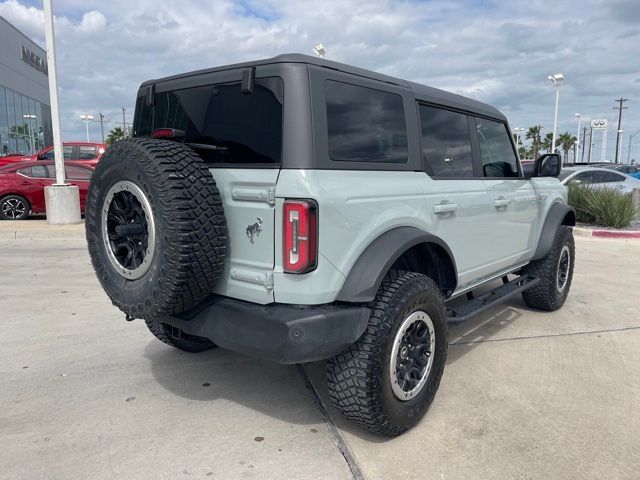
{"points": [[600, 178]]}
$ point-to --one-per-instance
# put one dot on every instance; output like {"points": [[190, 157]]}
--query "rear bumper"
{"points": [[276, 332]]}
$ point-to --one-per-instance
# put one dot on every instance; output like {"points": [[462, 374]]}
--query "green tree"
{"points": [[116, 134], [547, 141], [533, 134], [566, 142]]}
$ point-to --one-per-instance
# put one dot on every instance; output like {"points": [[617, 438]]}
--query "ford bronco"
{"points": [[297, 209]]}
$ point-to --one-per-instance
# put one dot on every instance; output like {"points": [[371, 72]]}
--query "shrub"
{"points": [[581, 199], [602, 206]]}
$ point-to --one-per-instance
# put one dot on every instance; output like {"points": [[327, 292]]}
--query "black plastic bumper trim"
{"points": [[277, 332]]}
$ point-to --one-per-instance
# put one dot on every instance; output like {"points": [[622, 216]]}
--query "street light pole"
{"points": [[53, 88], [630, 139], [62, 201], [556, 78], [575, 159], [87, 119]]}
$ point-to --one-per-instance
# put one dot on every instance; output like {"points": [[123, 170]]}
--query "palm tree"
{"points": [[547, 142], [533, 134], [566, 142], [116, 134]]}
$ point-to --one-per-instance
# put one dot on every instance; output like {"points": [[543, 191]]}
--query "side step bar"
{"points": [[508, 289]]}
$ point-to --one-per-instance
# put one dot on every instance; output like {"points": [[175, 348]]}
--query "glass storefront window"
{"points": [[25, 124]]}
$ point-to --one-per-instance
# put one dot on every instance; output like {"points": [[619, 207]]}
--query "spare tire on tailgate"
{"points": [[155, 226]]}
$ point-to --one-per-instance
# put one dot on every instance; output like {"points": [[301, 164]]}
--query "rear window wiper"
{"points": [[205, 146]]}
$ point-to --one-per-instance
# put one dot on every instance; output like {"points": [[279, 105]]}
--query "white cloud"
{"points": [[501, 55], [92, 23]]}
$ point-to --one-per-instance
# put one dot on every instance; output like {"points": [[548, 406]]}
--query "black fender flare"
{"points": [[559, 214], [367, 273]]}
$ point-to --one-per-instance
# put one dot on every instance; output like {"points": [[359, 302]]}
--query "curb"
{"points": [[597, 233], [42, 232]]}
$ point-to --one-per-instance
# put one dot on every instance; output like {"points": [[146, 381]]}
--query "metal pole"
{"points": [[101, 116], [53, 92], [584, 138], [590, 144], [619, 132], [555, 118], [124, 123], [603, 146], [86, 122], [577, 139], [630, 139]]}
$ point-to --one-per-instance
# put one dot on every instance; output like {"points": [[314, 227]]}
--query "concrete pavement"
{"points": [[525, 394], [532, 395], [85, 394]]}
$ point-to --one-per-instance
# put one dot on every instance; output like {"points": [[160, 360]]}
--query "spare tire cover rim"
{"points": [[127, 207]]}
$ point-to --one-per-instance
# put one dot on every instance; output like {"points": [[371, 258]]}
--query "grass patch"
{"points": [[601, 206]]}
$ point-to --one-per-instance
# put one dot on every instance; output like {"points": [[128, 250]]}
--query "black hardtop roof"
{"points": [[422, 92]]}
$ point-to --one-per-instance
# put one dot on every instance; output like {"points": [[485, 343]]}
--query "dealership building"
{"points": [[25, 113]]}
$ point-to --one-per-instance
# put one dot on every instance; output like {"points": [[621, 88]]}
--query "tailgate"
{"points": [[248, 195]]}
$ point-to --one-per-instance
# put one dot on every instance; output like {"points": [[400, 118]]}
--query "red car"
{"points": [[22, 186], [87, 153]]}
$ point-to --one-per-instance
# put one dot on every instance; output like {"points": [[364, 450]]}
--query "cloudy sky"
{"points": [[493, 51]]}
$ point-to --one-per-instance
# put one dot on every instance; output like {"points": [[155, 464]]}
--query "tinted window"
{"points": [[237, 127], [40, 171], [599, 177], [496, 151], [364, 124], [75, 172], [446, 143], [142, 118], [67, 150], [87, 152]]}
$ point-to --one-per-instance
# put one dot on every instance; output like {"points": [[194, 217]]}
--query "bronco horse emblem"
{"points": [[254, 230]]}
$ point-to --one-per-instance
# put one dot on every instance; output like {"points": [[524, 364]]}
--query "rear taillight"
{"points": [[300, 236]]}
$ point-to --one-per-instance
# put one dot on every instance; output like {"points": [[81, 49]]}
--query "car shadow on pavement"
{"points": [[221, 375], [465, 336]]}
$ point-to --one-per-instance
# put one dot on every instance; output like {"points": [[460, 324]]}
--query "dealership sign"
{"points": [[600, 124], [34, 60]]}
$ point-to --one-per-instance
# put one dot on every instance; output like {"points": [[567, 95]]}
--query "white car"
{"points": [[600, 177]]}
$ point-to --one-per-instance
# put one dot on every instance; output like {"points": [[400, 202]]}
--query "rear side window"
{"points": [[365, 124], [498, 157], [67, 151], [446, 142], [599, 177], [225, 125], [75, 172], [87, 152]]}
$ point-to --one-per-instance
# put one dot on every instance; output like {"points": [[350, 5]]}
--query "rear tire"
{"points": [[555, 271], [178, 339], [14, 207], [362, 380], [155, 226]]}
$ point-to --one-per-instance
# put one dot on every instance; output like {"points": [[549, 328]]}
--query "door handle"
{"points": [[445, 208], [501, 202]]}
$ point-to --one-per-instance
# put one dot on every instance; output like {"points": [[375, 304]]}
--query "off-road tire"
{"points": [[359, 380], [190, 228], [545, 295], [19, 198], [178, 339]]}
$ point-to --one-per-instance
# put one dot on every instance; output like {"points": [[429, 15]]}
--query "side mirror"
{"points": [[547, 165]]}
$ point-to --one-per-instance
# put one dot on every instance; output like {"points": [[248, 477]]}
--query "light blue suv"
{"points": [[298, 209]]}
